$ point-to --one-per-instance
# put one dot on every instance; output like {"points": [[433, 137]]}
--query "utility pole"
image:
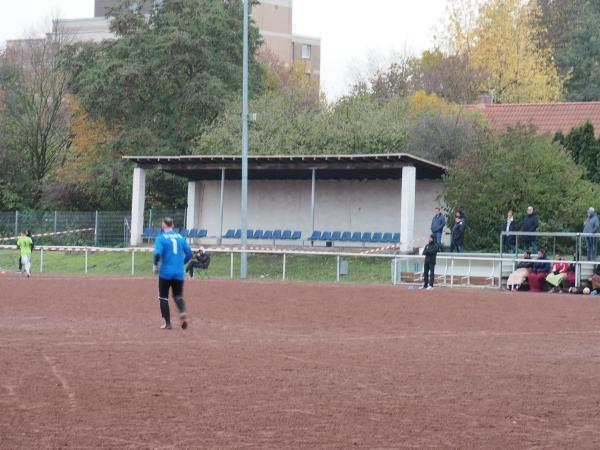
{"points": [[245, 113]]}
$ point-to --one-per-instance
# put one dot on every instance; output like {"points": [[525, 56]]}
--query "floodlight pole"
{"points": [[245, 113]]}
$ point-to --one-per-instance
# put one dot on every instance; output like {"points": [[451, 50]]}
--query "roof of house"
{"points": [[370, 166], [547, 117]]}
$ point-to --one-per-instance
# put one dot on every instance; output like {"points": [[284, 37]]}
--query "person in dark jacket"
{"points": [[430, 252], [531, 222], [457, 234], [437, 227], [510, 242], [539, 271], [200, 260], [591, 225]]}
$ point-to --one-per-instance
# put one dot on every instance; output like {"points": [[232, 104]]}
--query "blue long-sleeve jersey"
{"points": [[174, 252]]}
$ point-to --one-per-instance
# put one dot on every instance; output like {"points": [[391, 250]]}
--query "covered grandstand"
{"points": [[347, 200]]}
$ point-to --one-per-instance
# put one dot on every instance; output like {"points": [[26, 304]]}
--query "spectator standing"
{"points": [[430, 252], [437, 227], [458, 234], [531, 222], [510, 242], [591, 225]]}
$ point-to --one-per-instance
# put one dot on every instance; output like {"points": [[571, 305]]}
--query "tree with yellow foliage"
{"points": [[502, 42]]}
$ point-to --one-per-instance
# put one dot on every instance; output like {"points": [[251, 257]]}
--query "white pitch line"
{"points": [[63, 382]]}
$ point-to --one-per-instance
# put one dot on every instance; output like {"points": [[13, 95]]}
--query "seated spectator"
{"points": [[200, 260], [558, 274], [518, 277], [539, 271], [596, 279]]}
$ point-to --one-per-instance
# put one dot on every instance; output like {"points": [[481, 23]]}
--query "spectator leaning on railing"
{"points": [[591, 225]]}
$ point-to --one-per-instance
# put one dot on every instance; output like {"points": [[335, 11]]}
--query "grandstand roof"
{"points": [[548, 118], [208, 167]]}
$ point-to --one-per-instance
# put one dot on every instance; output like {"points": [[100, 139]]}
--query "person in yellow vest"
{"points": [[25, 246]]}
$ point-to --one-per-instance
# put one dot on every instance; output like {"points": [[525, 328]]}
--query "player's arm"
{"points": [[158, 250]]}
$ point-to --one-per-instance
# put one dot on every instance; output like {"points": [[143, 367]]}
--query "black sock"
{"points": [[180, 304], [164, 310]]}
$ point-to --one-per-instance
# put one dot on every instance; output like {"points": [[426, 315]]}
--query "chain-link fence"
{"points": [[94, 228]]}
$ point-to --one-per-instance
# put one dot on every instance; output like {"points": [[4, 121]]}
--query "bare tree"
{"points": [[33, 105]]}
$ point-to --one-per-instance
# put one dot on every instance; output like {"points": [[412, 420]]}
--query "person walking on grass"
{"points": [[25, 247], [591, 225], [171, 252], [430, 252]]}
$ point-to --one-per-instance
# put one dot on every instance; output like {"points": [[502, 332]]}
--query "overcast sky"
{"points": [[352, 31]]}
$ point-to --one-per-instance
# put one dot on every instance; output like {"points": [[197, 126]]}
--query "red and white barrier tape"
{"points": [[58, 233]]}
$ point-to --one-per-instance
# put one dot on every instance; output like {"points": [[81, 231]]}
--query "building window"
{"points": [[306, 50]]}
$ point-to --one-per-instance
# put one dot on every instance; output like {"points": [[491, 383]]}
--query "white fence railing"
{"points": [[452, 269]]}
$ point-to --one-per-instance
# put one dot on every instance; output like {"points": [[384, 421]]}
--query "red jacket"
{"points": [[561, 267]]}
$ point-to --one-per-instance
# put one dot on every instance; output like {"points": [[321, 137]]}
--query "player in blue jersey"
{"points": [[171, 252]]}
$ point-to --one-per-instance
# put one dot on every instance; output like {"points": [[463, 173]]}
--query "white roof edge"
{"points": [[290, 157]]}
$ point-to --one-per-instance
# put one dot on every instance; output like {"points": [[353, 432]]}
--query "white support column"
{"points": [[138, 199], [193, 204], [312, 201], [407, 208], [221, 206]]}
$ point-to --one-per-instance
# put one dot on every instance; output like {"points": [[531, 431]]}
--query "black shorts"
{"points": [[165, 285]]}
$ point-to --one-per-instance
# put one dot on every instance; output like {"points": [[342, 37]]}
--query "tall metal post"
{"points": [[16, 223], [55, 221], [96, 230], [245, 113]]}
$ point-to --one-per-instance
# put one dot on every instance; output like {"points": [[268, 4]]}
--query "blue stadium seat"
{"points": [[366, 237], [296, 235], [356, 236], [184, 233], [148, 232], [230, 234], [202, 233], [387, 238], [346, 236], [277, 234], [315, 236], [238, 234], [326, 236], [258, 234], [287, 235], [268, 235], [249, 234], [377, 237], [396, 238], [193, 233], [336, 236]]}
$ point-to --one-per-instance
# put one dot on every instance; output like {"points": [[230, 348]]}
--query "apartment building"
{"points": [[274, 18]]}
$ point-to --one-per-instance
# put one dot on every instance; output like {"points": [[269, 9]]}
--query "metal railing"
{"points": [[578, 237]]}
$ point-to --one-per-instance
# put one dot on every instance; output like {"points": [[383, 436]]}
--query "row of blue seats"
{"points": [[284, 235], [357, 236], [192, 234]]}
